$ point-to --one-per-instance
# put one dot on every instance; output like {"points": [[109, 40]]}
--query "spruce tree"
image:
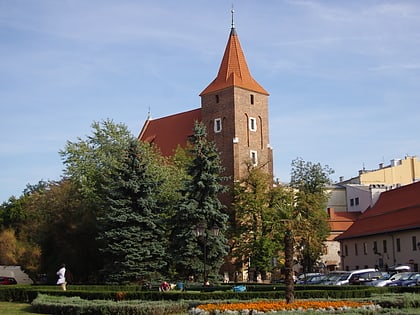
{"points": [[130, 230], [200, 206]]}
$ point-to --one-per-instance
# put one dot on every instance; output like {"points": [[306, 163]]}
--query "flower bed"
{"points": [[274, 306]]}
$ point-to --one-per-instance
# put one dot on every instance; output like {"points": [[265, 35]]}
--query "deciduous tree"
{"points": [[310, 180]]}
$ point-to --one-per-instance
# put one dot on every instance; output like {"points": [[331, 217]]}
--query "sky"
{"points": [[343, 76]]}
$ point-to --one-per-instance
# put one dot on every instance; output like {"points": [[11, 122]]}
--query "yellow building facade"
{"points": [[399, 172]]}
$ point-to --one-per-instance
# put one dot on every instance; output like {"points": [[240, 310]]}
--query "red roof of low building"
{"points": [[396, 210], [170, 131], [340, 221]]}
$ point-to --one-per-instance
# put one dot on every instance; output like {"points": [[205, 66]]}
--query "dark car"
{"points": [[408, 280], [365, 277], [7, 280], [314, 279]]}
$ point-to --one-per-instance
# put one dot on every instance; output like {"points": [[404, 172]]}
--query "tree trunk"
{"points": [[288, 252]]}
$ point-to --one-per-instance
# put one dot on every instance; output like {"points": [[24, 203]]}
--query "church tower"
{"points": [[234, 109]]}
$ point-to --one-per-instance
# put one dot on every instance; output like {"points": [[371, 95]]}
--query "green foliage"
{"points": [[255, 239], [261, 210], [89, 161], [311, 220], [76, 305], [130, 227], [200, 205]]}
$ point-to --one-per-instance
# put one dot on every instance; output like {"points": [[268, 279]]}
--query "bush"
{"points": [[75, 305], [119, 293]]}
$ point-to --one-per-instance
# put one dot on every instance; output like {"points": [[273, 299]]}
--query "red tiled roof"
{"points": [[170, 131], [340, 221], [397, 209], [234, 70]]}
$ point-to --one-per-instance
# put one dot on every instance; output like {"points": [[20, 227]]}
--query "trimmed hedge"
{"points": [[75, 305], [29, 293]]}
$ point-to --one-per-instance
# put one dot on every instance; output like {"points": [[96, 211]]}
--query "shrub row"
{"points": [[29, 293], [75, 305]]}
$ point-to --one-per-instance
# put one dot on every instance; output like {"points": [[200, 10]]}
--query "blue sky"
{"points": [[343, 76]]}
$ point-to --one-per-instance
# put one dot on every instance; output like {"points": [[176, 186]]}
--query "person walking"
{"points": [[61, 273]]}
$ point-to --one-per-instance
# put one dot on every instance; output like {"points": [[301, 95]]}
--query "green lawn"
{"points": [[12, 308]]}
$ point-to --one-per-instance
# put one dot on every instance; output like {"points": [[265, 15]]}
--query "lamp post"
{"points": [[201, 232]]}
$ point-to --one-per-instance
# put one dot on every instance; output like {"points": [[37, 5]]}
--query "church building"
{"points": [[234, 109]]}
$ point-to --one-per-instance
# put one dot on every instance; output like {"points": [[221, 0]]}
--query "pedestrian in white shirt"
{"points": [[61, 273]]}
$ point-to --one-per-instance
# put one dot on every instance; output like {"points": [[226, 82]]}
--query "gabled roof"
{"points": [[234, 70], [396, 210], [170, 131]]}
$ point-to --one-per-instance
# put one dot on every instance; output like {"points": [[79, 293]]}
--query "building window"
{"points": [[414, 243], [398, 244], [346, 250], [356, 250], [385, 249], [217, 98], [218, 125], [351, 202], [254, 157], [365, 249], [356, 201], [252, 124], [375, 247], [252, 99]]}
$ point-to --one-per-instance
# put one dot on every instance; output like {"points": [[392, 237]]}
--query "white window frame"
{"points": [[254, 157], [218, 125], [252, 124]]}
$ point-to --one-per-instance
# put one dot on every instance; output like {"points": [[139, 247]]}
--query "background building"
{"points": [[350, 198], [386, 234]]}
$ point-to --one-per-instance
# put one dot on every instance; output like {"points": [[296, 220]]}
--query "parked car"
{"points": [[314, 279], [385, 279], [7, 280], [343, 277], [305, 275], [334, 276], [400, 268], [409, 279], [364, 277]]}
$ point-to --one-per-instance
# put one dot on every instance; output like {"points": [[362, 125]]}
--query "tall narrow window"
{"points": [[398, 245], [217, 98], [385, 249], [218, 125], [364, 248], [414, 243], [356, 201], [375, 247], [254, 157], [351, 202], [356, 250], [252, 124], [252, 99], [346, 250]]}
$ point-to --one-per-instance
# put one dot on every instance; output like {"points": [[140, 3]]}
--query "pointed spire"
{"points": [[233, 22], [234, 70]]}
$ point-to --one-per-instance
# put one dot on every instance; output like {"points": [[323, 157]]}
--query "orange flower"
{"points": [[267, 306]]}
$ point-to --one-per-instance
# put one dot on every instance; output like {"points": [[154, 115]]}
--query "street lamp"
{"points": [[200, 231]]}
